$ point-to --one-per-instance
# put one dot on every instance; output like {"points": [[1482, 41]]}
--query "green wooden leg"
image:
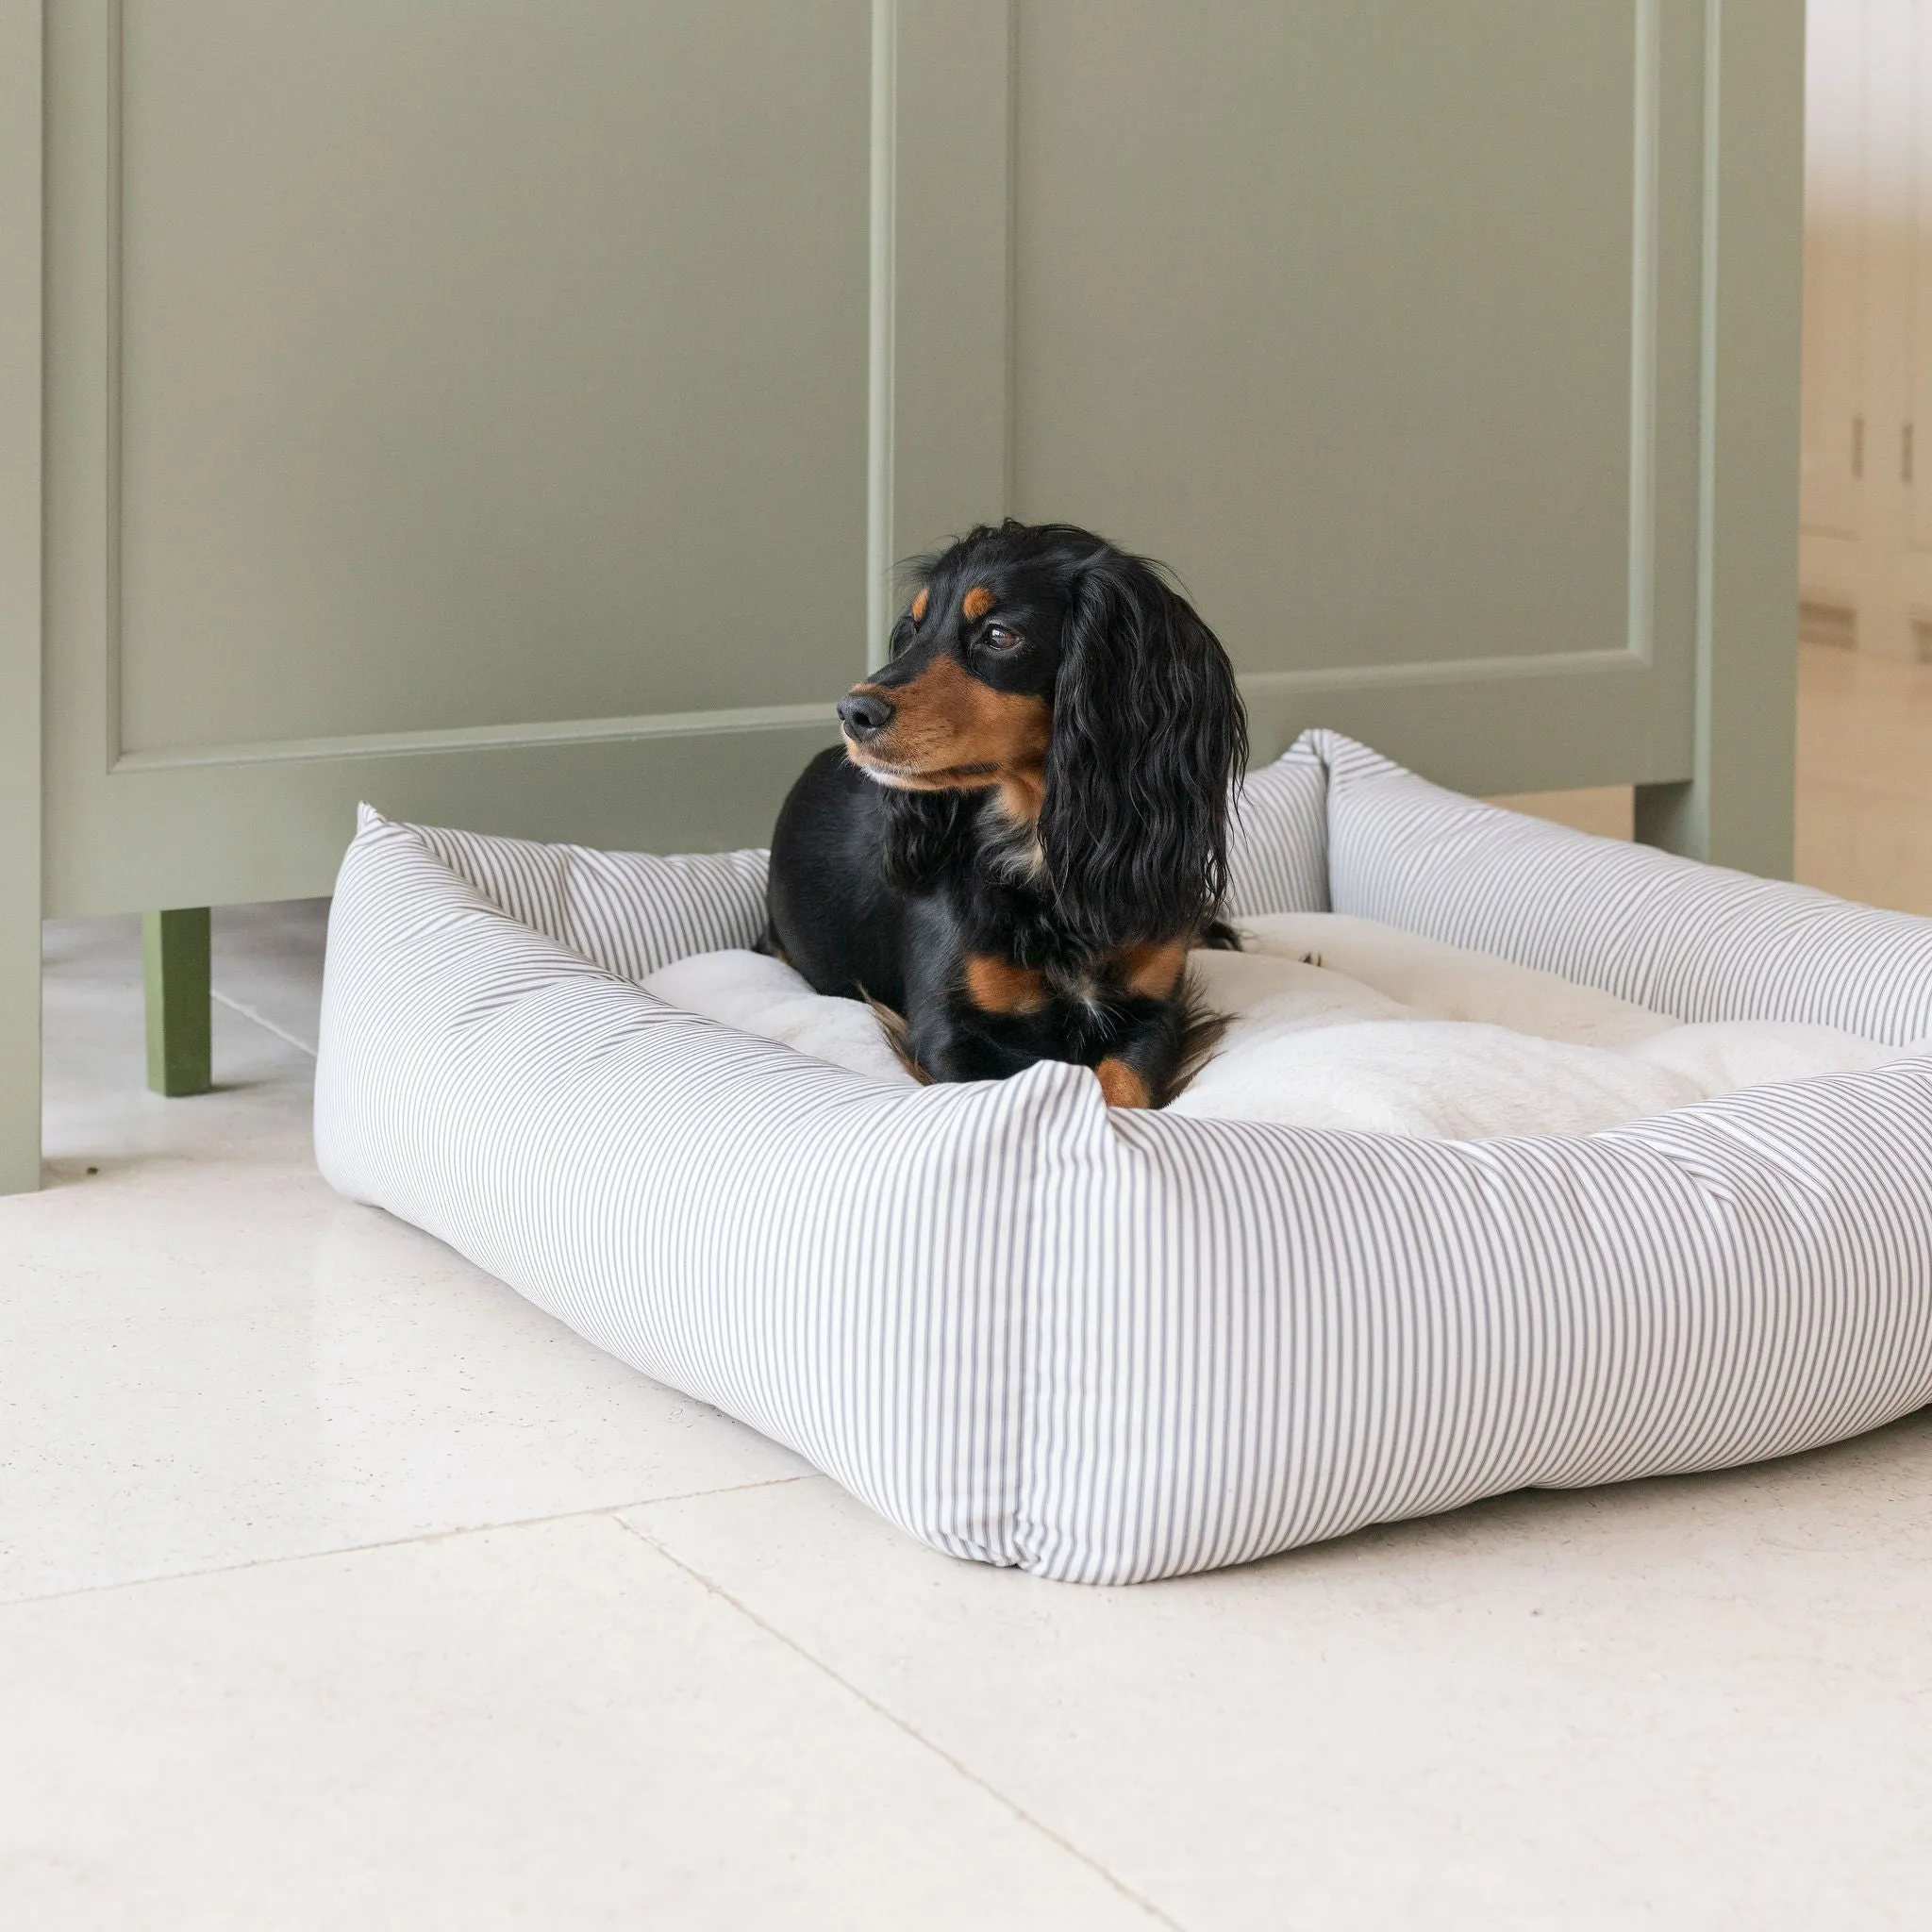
{"points": [[180, 1052]]}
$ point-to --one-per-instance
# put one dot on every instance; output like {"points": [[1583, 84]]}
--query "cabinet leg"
{"points": [[180, 1052]]}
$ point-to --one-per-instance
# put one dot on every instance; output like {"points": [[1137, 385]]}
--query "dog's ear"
{"points": [[1149, 736]]}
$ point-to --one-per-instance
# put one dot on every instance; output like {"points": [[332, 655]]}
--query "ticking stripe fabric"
{"points": [[1107, 1346], [1680, 938], [629, 911], [1278, 853]]}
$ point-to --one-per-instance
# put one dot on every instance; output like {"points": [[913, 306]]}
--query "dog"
{"points": [[1026, 828]]}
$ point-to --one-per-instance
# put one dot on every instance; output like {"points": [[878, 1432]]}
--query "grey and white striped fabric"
{"points": [[1106, 1346], [1278, 854], [1681, 937], [629, 911]]}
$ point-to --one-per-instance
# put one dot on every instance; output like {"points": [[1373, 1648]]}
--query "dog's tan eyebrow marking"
{"points": [[976, 604], [919, 603]]}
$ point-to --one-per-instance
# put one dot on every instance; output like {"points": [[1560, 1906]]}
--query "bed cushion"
{"points": [[1106, 1346], [1343, 1023]]}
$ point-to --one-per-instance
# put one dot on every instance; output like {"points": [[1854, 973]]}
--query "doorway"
{"points": [[1864, 826]]}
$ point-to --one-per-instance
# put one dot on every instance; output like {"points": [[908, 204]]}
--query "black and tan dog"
{"points": [[1026, 827]]}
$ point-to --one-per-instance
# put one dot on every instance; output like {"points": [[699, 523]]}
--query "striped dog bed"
{"points": [[1107, 1346]]}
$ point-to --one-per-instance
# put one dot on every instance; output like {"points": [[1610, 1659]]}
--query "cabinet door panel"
{"points": [[507, 412], [1386, 325], [1336, 349], [470, 382], [441, 404]]}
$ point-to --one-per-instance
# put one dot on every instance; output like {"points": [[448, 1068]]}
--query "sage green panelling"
{"points": [[1471, 256], [274, 830], [20, 595], [1391, 347], [1357, 355], [257, 802], [941, 277], [970, 96], [1738, 806], [180, 1031], [482, 364]]}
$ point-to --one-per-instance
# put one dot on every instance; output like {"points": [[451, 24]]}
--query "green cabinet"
{"points": [[510, 414]]}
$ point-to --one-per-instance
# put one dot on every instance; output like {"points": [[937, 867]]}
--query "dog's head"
{"points": [[1039, 662]]}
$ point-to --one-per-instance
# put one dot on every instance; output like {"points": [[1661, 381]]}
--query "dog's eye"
{"points": [[1001, 641]]}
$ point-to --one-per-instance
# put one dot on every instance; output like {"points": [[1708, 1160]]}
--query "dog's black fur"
{"points": [[1027, 826]]}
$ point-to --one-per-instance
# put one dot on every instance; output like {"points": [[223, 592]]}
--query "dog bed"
{"points": [[1108, 1345]]}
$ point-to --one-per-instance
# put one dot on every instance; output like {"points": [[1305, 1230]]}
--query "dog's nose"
{"points": [[865, 715]]}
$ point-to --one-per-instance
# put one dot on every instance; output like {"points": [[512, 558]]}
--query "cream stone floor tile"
{"points": [[1865, 778], [97, 1110], [210, 1358], [545, 1727], [267, 964], [1701, 1703]]}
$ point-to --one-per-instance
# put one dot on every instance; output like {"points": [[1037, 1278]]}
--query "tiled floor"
{"points": [[341, 1589]]}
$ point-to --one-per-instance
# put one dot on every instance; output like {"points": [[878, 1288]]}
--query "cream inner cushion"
{"points": [[1340, 1021]]}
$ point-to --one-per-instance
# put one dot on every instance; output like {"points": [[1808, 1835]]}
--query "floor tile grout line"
{"points": [[390, 1543], [898, 1723], [267, 1026]]}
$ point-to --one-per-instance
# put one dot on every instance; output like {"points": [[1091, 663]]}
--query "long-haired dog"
{"points": [[1027, 826]]}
